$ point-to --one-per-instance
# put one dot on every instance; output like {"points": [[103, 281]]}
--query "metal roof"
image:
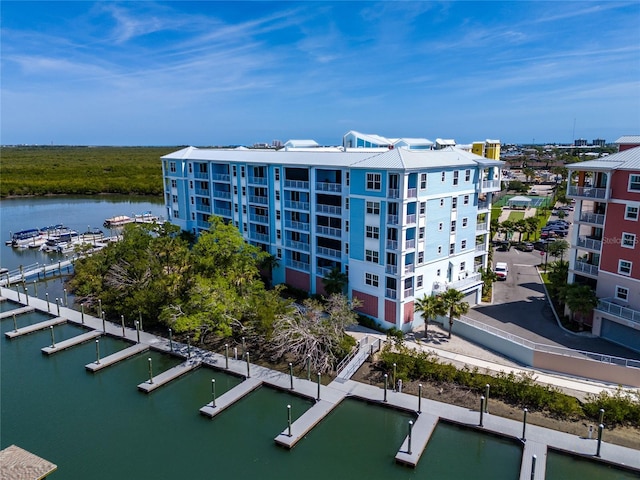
{"points": [[627, 139], [625, 160]]}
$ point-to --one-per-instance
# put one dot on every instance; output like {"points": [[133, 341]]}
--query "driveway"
{"points": [[520, 307]]}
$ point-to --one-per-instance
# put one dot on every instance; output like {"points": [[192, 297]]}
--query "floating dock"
{"points": [[231, 397], [117, 357], [72, 342], [166, 377], [422, 429], [17, 463], [35, 327], [16, 311], [305, 423], [538, 449]]}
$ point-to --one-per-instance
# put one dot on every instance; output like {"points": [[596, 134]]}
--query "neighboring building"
{"points": [[626, 142], [488, 148], [359, 140], [605, 248], [401, 223], [599, 142], [580, 142]]}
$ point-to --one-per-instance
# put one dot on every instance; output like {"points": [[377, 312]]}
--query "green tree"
{"points": [[488, 277], [429, 306], [520, 226], [507, 228], [451, 301], [335, 282], [529, 172], [558, 248], [581, 300], [558, 272], [531, 226]]}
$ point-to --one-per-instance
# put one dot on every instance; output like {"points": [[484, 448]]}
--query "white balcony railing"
{"points": [[259, 218], [411, 243], [481, 227], [590, 217], [412, 192], [587, 192], [331, 209], [223, 212], [465, 280], [260, 237], [409, 268], [203, 192], [329, 231], [221, 194], [296, 205], [584, 267], [408, 292], [481, 247], [391, 269], [328, 252], [297, 184], [329, 187], [483, 205], [411, 218], [257, 180], [391, 293], [299, 246], [393, 193], [220, 177], [258, 199], [201, 175], [203, 208], [297, 225], [589, 243], [392, 219], [298, 265], [490, 184], [323, 271], [392, 244], [608, 306]]}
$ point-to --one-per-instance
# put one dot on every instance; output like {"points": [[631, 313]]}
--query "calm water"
{"points": [[566, 467]]}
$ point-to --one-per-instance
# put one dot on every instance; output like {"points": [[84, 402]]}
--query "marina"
{"points": [[114, 358], [35, 327]]}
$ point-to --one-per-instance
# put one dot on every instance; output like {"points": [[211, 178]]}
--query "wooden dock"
{"points": [[166, 377], [72, 342], [16, 311], [35, 327], [305, 423], [117, 357], [423, 427], [231, 397], [538, 449]]}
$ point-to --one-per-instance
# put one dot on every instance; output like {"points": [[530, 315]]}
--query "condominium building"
{"points": [[605, 253], [400, 222]]}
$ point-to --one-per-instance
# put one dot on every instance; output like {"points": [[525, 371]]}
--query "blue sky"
{"points": [[221, 73]]}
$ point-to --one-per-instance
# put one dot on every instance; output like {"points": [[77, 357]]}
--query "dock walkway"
{"points": [[230, 397], [35, 327], [16, 311], [72, 342], [117, 357], [168, 375]]}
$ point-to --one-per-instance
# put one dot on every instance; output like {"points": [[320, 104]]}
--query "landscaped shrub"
{"points": [[619, 407]]}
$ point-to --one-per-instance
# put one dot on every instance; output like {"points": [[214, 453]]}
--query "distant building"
{"points": [[580, 142], [400, 222], [628, 141], [599, 142], [605, 247], [488, 148]]}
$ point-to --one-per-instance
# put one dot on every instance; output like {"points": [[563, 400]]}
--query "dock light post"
{"points": [[395, 371], [600, 428], [318, 397], [213, 393], [386, 385], [244, 347], [104, 323], [18, 292], [524, 425], [65, 297], [53, 340], [140, 319], [35, 288], [150, 370], [486, 396], [58, 305], [170, 341], [481, 409], [97, 351], [533, 466], [46, 296], [248, 366], [188, 347], [400, 385], [291, 374], [122, 321], [235, 353], [419, 398], [26, 294], [289, 418], [409, 439], [99, 307], [15, 324], [226, 356], [138, 330], [309, 366], [82, 312], [601, 420]]}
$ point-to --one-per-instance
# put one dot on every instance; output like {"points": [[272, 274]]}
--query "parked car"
{"points": [[525, 246], [541, 245], [503, 246], [501, 270]]}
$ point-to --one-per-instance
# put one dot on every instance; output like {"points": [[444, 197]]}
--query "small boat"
{"points": [[146, 217], [61, 243], [117, 221], [92, 234], [26, 238]]}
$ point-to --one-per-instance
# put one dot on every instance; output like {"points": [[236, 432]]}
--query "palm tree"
{"points": [[520, 226], [452, 302], [580, 299], [531, 226], [430, 307], [335, 281]]}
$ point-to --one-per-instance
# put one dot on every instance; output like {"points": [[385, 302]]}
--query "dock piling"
{"points": [[47, 298], [309, 366], [18, 292], [188, 347], [53, 340], [524, 425], [138, 330], [15, 324], [97, 351], [35, 288], [248, 367], [235, 353], [122, 320], [419, 398], [395, 372], [65, 297], [213, 392], [601, 420], [99, 307], [409, 439], [386, 385], [82, 312], [533, 466], [104, 322], [291, 374], [58, 305], [481, 409], [150, 370], [170, 340], [486, 398], [318, 397], [600, 428], [289, 418], [226, 356], [26, 294]]}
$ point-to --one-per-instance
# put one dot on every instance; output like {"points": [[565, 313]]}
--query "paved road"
{"points": [[520, 307]]}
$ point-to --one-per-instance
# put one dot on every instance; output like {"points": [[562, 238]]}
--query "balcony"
{"points": [[408, 292], [323, 271], [329, 187], [393, 193], [590, 217], [391, 293], [202, 224], [259, 218], [392, 245], [391, 269], [392, 219], [481, 228], [221, 194], [296, 205], [586, 268], [220, 177], [299, 246], [409, 268], [328, 252], [465, 281], [296, 184], [411, 243], [607, 305], [330, 209], [589, 243], [203, 192], [258, 199], [203, 208], [329, 231], [490, 185], [586, 192], [411, 218], [223, 212], [298, 265], [259, 237], [257, 180], [201, 175], [297, 225], [412, 192], [483, 205], [481, 247]]}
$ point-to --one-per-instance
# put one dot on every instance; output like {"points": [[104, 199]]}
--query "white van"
{"points": [[501, 270]]}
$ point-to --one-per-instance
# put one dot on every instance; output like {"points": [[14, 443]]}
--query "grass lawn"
{"points": [[495, 213], [515, 216]]}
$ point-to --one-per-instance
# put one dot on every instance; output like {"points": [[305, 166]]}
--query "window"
{"points": [[628, 240], [192, 200], [463, 245], [244, 191], [634, 182], [419, 281], [235, 189], [346, 225], [454, 203], [174, 198], [452, 248], [242, 172], [346, 204], [465, 221], [279, 253], [423, 181], [467, 175], [438, 273], [191, 184], [442, 202], [421, 233], [244, 227], [420, 258], [234, 170], [277, 214], [172, 167], [444, 176], [440, 226], [463, 266], [193, 216], [371, 279], [346, 250], [622, 293], [631, 213], [174, 184], [235, 207], [466, 200], [453, 226], [423, 208], [277, 194], [373, 208], [371, 256], [277, 174], [624, 267], [455, 177], [374, 181], [244, 209], [278, 234], [439, 252], [373, 232], [347, 178], [176, 214]]}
